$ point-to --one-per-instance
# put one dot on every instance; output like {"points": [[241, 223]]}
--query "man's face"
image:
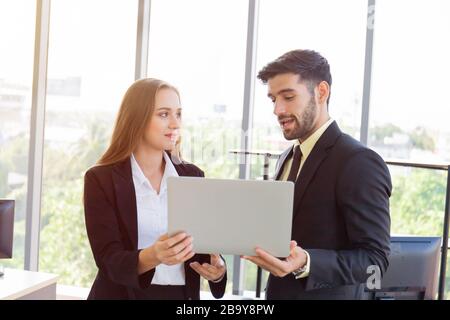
{"points": [[294, 105]]}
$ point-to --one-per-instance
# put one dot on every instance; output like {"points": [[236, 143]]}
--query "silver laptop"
{"points": [[232, 216]]}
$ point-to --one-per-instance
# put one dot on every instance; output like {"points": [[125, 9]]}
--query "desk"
{"points": [[27, 285]]}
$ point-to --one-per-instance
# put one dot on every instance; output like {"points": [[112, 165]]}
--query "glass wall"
{"points": [[300, 24], [409, 111], [90, 65], [292, 24], [204, 56], [200, 47], [17, 24]]}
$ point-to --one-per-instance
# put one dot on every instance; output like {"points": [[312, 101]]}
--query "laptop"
{"points": [[232, 216]]}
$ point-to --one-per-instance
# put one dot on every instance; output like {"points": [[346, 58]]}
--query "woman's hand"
{"points": [[173, 250], [213, 271]]}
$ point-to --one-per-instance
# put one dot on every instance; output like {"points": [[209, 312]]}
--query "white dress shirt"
{"points": [[152, 219]]}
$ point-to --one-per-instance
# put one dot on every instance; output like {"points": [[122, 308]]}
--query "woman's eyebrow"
{"points": [[166, 108]]}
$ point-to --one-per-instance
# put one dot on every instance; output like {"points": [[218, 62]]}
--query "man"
{"points": [[341, 222]]}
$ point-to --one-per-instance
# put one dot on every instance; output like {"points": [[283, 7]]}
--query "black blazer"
{"points": [[341, 217], [111, 222]]}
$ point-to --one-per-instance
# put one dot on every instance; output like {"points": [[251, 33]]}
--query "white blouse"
{"points": [[152, 219]]}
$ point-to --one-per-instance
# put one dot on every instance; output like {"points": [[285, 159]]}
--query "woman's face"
{"points": [[162, 131]]}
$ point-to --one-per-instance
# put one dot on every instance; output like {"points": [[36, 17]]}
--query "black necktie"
{"points": [[295, 165]]}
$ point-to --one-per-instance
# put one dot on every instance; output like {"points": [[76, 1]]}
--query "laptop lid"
{"points": [[232, 216]]}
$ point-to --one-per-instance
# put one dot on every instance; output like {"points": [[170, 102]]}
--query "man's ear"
{"points": [[322, 91]]}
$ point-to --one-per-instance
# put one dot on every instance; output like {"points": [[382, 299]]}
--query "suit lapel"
{"points": [[282, 161], [313, 162], [126, 198], [306, 174], [126, 195]]}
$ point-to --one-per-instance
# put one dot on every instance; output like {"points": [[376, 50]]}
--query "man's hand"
{"points": [[277, 267], [213, 271]]}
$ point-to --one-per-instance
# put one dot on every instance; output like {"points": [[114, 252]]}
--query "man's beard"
{"points": [[304, 125]]}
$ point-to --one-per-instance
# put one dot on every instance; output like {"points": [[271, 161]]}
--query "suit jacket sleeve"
{"points": [[217, 288], [105, 238], [362, 191]]}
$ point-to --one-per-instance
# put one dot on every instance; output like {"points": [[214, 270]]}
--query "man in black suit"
{"points": [[341, 222]]}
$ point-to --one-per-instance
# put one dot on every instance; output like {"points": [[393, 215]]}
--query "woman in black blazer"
{"points": [[126, 208]]}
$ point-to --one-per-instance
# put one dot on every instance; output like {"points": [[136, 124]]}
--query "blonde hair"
{"points": [[135, 111]]}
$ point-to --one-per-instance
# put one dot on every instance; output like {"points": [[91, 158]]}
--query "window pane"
{"points": [[200, 48], [17, 22], [417, 203], [90, 66], [204, 56], [286, 25], [409, 115], [409, 119]]}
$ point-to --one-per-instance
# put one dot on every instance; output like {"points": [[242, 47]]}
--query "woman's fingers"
{"points": [[170, 242], [175, 249], [179, 247], [185, 254]]}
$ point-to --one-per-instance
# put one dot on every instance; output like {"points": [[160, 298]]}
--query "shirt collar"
{"points": [[309, 143], [137, 173], [169, 171], [141, 179]]}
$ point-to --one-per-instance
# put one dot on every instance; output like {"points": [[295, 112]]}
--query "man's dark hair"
{"points": [[308, 64]]}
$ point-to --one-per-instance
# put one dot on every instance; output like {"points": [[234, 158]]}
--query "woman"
{"points": [[125, 201]]}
